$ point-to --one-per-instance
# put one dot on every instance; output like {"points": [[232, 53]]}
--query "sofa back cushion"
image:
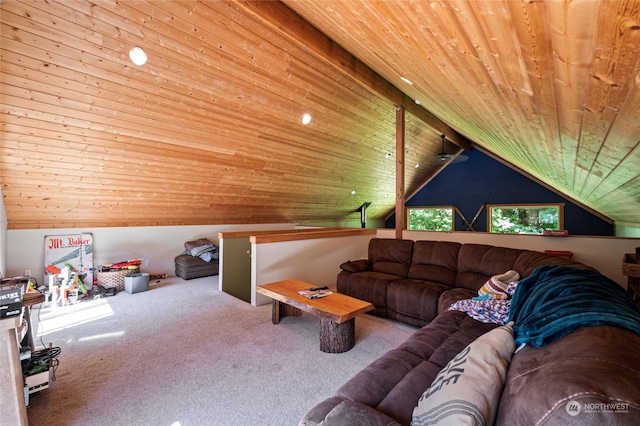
{"points": [[529, 260], [479, 262], [435, 261], [390, 256]]}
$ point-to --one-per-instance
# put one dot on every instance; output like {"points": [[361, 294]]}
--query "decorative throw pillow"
{"points": [[496, 286], [468, 388]]}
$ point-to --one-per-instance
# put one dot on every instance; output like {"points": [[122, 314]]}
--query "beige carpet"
{"points": [[185, 354]]}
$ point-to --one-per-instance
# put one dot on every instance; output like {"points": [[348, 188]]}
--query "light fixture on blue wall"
{"points": [[138, 55]]}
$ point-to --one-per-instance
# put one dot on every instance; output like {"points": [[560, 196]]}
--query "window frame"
{"points": [[453, 217], [490, 207]]}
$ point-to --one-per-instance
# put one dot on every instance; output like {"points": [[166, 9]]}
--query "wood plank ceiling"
{"points": [[209, 130]]}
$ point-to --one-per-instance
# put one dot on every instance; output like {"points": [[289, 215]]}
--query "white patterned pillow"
{"points": [[468, 388]]}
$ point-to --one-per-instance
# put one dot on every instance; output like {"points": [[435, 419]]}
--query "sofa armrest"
{"points": [[453, 295], [347, 413], [361, 265], [595, 371]]}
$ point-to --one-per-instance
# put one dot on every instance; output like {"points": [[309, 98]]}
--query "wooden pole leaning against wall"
{"points": [[399, 171]]}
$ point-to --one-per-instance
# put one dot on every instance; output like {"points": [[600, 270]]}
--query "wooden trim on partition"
{"points": [[242, 234], [307, 235]]}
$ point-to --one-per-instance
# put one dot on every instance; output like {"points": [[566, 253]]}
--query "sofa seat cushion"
{"points": [[393, 383], [369, 286], [414, 302], [566, 381]]}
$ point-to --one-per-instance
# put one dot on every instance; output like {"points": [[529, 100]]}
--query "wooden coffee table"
{"points": [[337, 312]]}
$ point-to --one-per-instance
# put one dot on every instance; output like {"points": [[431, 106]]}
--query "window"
{"points": [[430, 218], [525, 219]]}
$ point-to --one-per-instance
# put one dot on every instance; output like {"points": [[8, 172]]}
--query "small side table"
{"points": [[631, 269]]}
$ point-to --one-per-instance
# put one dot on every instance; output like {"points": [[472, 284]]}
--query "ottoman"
{"points": [[188, 267]]}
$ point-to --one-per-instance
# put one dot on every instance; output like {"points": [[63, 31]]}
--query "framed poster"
{"points": [[75, 250]]}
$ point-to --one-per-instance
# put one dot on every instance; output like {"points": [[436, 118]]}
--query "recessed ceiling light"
{"points": [[353, 192], [138, 56], [417, 165], [306, 119], [406, 80], [418, 101]]}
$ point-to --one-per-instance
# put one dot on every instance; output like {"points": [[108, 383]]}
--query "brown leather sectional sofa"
{"points": [[590, 376]]}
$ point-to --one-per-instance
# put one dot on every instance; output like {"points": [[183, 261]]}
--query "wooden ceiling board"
{"points": [[142, 113], [612, 85], [543, 85], [208, 130]]}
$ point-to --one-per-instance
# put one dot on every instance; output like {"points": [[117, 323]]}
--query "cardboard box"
{"points": [[38, 382], [11, 292], [10, 310], [136, 283]]}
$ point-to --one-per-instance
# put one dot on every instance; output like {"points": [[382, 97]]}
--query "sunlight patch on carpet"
{"points": [[62, 318], [102, 336]]}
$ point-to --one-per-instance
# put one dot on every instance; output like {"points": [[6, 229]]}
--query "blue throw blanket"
{"points": [[555, 300]]}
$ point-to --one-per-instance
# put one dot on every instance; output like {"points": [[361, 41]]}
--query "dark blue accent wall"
{"points": [[481, 179]]}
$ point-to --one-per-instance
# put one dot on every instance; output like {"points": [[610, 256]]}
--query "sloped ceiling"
{"points": [[552, 87], [209, 131]]}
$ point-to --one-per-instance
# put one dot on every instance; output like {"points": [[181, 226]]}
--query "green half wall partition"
{"points": [[235, 274]]}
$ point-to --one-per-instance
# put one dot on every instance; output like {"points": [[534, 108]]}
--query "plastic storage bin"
{"points": [[136, 283]]}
